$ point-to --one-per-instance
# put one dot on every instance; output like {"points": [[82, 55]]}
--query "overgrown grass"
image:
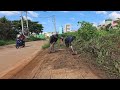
{"points": [[32, 38], [6, 42], [103, 47], [47, 45]]}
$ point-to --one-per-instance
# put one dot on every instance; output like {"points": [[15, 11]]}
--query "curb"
{"points": [[7, 74]]}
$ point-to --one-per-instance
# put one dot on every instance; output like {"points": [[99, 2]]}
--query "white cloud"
{"points": [[33, 14], [101, 12], [81, 14], [9, 13], [65, 11], [72, 18], [27, 18], [49, 21], [95, 24], [102, 22], [44, 23], [114, 15]]}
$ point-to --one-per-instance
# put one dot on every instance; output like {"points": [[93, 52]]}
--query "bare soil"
{"points": [[58, 65]]}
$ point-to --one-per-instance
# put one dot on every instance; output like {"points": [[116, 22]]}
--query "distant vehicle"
{"points": [[19, 43]]}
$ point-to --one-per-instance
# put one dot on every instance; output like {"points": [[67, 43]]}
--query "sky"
{"points": [[63, 17]]}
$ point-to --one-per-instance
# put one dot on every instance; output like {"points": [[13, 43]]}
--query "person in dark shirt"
{"points": [[68, 42], [53, 40]]}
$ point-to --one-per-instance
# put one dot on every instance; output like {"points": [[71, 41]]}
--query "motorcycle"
{"points": [[20, 43]]}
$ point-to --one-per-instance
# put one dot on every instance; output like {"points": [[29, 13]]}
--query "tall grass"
{"points": [[103, 47], [6, 42]]}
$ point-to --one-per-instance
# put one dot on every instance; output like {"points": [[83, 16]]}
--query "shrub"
{"points": [[6, 42], [47, 45]]}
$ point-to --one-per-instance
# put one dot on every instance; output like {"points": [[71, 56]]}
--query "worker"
{"points": [[68, 42], [53, 40], [61, 41]]}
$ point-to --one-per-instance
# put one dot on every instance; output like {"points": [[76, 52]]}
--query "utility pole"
{"points": [[27, 23], [26, 20], [54, 23], [22, 23]]}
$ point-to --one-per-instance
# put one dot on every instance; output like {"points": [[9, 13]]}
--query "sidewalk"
{"points": [[10, 57]]}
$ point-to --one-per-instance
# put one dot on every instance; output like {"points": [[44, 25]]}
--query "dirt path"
{"points": [[10, 56], [59, 65]]}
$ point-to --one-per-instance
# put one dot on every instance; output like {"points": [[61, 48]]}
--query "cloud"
{"points": [[72, 18], [44, 23], [33, 14], [114, 15], [102, 22], [101, 12], [9, 13], [95, 24], [81, 14], [49, 21], [27, 18], [65, 11]]}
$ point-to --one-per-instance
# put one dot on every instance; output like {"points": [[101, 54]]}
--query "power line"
{"points": [[53, 19]]}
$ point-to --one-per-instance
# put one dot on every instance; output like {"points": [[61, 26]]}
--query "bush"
{"points": [[6, 42], [103, 48], [2, 42], [32, 38], [47, 45]]}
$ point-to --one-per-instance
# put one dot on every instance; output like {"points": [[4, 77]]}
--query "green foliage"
{"points": [[86, 26], [10, 29], [32, 38], [41, 36], [87, 31], [103, 46], [47, 45], [69, 34], [6, 42]]}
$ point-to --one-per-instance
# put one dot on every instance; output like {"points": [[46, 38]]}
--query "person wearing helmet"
{"points": [[22, 38], [53, 40]]}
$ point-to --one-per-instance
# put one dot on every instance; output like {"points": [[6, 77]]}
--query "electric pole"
{"points": [[27, 23], [26, 20], [54, 23], [22, 22]]}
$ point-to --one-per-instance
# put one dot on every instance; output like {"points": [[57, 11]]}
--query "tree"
{"points": [[35, 27], [9, 29], [86, 26], [86, 31], [3, 20]]}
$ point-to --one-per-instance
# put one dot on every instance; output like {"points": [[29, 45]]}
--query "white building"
{"points": [[67, 28], [48, 34]]}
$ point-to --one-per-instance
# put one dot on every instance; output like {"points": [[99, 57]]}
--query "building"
{"points": [[67, 28], [109, 23], [60, 30]]}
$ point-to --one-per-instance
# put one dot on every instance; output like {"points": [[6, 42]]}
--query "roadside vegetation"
{"points": [[10, 29], [102, 46]]}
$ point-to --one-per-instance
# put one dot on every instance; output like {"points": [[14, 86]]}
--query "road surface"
{"points": [[59, 65], [10, 56]]}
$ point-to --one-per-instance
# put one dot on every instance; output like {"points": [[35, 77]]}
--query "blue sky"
{"points": [[63, 17]]}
